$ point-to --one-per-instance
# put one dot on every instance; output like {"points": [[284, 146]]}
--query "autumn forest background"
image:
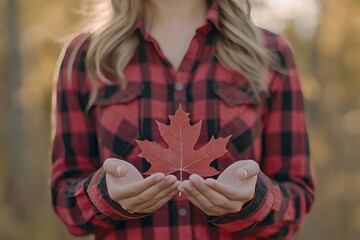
{"points": [[325, 36]]}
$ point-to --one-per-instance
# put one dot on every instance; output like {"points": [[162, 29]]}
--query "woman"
{"points": [[136, 68]]}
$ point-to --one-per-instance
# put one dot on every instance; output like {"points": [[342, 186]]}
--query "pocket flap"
{"points": [[235, 94], [113, 94]]}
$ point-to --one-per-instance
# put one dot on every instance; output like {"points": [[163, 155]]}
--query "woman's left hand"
{"points": [[234, 187]]}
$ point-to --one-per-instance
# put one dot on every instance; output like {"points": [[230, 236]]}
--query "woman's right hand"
{"points": [[126, 185]]}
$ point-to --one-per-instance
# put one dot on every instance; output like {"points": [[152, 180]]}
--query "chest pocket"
{"points": [[239, 116], [118, 114]]}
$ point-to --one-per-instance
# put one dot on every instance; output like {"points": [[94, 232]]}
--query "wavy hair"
{"points": [[114, 41]]}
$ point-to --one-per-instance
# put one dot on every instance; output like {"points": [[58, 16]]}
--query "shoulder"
{"points": [[284, 76], [274, 41], [280, 46], [70, 73], [74, 52]]}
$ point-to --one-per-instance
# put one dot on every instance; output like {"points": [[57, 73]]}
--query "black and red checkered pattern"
{"points": [[271, 131]]}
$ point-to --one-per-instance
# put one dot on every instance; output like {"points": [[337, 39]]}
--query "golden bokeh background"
{"points": [[326, 40]]}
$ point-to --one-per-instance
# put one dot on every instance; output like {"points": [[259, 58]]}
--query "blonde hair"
{"points": [[114, 41]]}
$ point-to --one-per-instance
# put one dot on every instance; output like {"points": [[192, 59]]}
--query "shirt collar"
{"points": [[212, 16]]}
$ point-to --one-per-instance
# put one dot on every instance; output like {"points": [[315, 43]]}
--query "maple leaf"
{"points": [[180, 155]]}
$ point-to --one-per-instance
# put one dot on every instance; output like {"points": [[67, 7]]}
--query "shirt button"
{"points": [[179, 87], [182, 212]]}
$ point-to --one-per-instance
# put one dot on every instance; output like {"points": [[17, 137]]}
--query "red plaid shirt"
{"points": [[270, 131]]}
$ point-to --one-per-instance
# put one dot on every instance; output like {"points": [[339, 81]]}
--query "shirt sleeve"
{"points": [[285, 187], [78, 186]]}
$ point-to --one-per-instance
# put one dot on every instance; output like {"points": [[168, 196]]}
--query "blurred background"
{"points": [[326, 39]]}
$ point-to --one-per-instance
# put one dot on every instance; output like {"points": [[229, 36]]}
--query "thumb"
{"points": [[248, 170], [115, 167]]}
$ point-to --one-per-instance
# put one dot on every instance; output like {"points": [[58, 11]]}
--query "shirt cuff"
{"points": [[99, 196], [253, 212]]}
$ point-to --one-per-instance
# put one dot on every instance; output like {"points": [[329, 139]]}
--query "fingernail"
{"points": [[209, 181], [246, 173], [118, 170], [159, 177]]}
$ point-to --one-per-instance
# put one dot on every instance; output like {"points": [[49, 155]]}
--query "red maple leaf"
{"points": [[180, 155]]}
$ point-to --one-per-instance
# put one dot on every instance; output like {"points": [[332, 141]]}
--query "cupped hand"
{"points": [[126, 185], [233, 188]]}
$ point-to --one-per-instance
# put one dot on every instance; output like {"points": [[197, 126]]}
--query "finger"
{"points": [[161, 202], [195, 196], [156, 191], [115, 167], [136, 188], [206, 210], [169, 183], [196, 203], [248, 170], [215, 197], [160, 198], [242, 174], [230, 192]]}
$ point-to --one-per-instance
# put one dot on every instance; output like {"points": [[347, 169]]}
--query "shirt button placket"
{"points": [[184, 220], [179, 90], [182, 212], [179, 87]]}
